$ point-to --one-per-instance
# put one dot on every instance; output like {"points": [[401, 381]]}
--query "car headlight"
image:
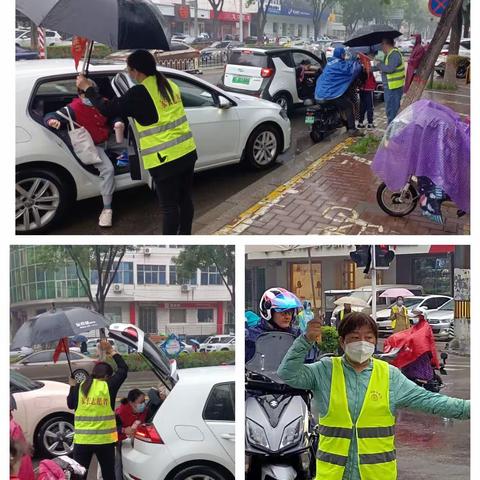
{"points": [[256, 434], [283, 114], [292, 433]]}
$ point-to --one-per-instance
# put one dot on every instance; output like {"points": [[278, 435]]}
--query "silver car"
{"points": [[441, 321]]}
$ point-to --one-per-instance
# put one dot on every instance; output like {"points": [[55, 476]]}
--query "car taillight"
{"points": [[146, 432], [267, 72], [131, 333]]}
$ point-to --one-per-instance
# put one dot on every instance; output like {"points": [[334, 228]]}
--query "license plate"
{"points": [[309, 119], [241, 80]]}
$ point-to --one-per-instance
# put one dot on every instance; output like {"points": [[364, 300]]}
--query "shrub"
{"points": [[65, 51], [329, 340]]}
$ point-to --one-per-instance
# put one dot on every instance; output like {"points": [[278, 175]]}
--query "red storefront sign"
{"points": [[231, 17], [182, 12], [168, 305]]}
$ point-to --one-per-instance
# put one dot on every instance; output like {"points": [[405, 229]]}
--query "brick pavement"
{"points": [[336, 195]]}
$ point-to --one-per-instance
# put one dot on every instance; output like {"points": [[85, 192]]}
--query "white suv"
{"points": [[272, 74], [218, 343]]}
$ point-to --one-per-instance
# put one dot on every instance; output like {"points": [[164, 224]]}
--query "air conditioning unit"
{"points": [[117, 288], [147, 251], [184, 289]]}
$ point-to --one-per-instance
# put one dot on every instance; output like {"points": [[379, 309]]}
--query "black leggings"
{"points": [[105, 455], [175, 196], [346, 106]]}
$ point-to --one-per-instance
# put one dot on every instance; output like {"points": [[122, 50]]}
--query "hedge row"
{"points": [[65, 51]]}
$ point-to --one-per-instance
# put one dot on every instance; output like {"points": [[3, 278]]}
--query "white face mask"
{"points": [[400, 303], [359, 352]]}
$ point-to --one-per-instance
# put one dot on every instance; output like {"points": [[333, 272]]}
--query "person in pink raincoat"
{"points": [[416, 56]]}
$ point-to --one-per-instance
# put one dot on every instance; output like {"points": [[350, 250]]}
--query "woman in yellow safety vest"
{"points": [[399, 316], [94, 403], [357, 398], [167, 147]]}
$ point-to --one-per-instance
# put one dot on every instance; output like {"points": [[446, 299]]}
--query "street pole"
{"points": [[373, 269], [241, 21], [195, 20]]}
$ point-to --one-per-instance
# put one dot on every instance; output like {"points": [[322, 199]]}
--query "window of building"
{"points": [[113, 314], [178, 315], [220, 404], [275, 27], [205, 315], [151, 274], [211, 276], [124, 274], [300, 30], [174, 280], [148, 319], [434, 273], [284, 29]]}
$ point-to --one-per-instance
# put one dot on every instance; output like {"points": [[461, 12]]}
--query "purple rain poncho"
{"points": [[431, 140]]}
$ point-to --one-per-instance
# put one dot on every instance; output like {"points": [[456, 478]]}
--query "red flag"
{"points": [[61, 347], [79, 45], [414, 342]]}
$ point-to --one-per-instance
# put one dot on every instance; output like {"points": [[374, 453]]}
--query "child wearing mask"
{"points": [[85, 114]]}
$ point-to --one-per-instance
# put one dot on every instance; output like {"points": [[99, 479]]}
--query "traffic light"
{"points": [[362, 256], [383, 256]]}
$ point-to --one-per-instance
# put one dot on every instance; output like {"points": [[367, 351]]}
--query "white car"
{"points": [[191, 435], [228, 128], [218, 343], [441, 321], [23, 38], [272, 74], [43, 414]]}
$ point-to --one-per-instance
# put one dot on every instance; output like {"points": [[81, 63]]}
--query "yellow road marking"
{"points": [[245, 219]]}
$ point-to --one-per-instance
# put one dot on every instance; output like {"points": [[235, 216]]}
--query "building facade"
{"points": [[145, 292], [269, 266]]}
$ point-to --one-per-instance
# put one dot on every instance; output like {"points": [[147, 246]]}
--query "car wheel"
{"points": [[80, 375], [262, 147], [200, 472], [41, 200], [55, 437], [284, 100]]}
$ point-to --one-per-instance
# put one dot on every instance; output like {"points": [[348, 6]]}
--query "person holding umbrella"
{"points": [[94, 403], [167, 146]]}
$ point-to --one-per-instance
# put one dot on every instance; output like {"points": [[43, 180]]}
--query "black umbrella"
{"points": [[120, 24], [371, 35]]}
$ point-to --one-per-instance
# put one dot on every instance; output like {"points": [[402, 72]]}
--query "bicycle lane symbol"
{"points": [[346, 218]]}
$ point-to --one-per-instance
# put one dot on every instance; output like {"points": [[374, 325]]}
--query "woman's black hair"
{"points": [[144, 62], [132, 396], [100, 370], [400, 297], [356, 320]]}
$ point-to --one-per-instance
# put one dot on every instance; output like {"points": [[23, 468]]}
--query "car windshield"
{"points": [[411, 302], [219, 340], [450, 306], [23, 383], [248, 58]]}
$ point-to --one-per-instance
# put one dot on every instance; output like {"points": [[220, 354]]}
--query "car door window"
{"points": [[286, 58], [72, 355], [40, 357], [220, 405], [194, 95], [65, 86], [302, 58]]}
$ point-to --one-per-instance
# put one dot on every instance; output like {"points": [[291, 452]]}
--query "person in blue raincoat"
{"points": [[333, 84]]}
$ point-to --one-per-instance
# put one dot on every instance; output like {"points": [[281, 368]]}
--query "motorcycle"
{"points": [[281, 435], [323, 118]]}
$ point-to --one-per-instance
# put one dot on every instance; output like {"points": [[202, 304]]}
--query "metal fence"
{"points": [[195, 65]]}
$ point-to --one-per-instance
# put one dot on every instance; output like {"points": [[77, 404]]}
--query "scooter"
{"points": [[281, 435], [323, 118]]}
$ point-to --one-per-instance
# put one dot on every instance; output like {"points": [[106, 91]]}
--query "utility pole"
{"points": [[195, 18], [241, 21]]}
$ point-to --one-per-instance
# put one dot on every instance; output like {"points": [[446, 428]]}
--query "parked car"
{"points": [[192, 433], [272, 74], [93, 342], [405, 45], [43, 414], [228, 128], [20, 352], [441, 321], [23, 39], [25, 53], [219, 50], [39, 365], [218, 343], [430, 303], [464, 51]]}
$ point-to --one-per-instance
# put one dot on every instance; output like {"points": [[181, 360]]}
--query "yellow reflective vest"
{"points": [[396, 310], [170, 138], [396, 79], [374, 429], [94, 418]]}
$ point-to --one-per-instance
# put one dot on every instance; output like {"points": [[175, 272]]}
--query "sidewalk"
{"points": [[336, 195]]}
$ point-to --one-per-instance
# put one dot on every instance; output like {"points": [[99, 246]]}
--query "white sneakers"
{"points": [[105, 219]]}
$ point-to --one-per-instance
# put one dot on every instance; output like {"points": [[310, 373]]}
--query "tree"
{"points": [[428, 63], [104, 259], [217, 7], [222, 257], [466, 18], [319, 8], [451, 66], [261, 16]]}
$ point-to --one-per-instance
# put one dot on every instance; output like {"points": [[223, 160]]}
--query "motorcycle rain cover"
{"points": [[431, 140]]}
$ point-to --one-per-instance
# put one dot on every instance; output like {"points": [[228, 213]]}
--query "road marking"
{"points": [[246, 218]]}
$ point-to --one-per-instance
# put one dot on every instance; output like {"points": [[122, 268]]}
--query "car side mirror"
{"points": [[224, 103]]}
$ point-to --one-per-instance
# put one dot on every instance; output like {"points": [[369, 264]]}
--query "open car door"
{"points": [[135, 338], [121, 83]]}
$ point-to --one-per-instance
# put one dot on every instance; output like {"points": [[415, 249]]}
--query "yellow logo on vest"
{"points": [[95, 401], [375, 396]]}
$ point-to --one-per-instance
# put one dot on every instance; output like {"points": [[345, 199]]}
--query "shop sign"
{"points": [[182, 12]]}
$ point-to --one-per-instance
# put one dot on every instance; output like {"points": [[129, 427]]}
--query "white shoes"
{"points": [[105, 219]]}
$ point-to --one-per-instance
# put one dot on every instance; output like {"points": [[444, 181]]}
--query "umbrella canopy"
{"points": [[397, 292], [54, 325], [353, 301], [371, 35], [120, 24]]}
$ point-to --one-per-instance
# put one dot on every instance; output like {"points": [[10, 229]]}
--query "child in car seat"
{"points": [[85, 114]]}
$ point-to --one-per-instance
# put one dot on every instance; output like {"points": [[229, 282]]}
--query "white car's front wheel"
{"points": [[263, 147], [41, 199]]}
